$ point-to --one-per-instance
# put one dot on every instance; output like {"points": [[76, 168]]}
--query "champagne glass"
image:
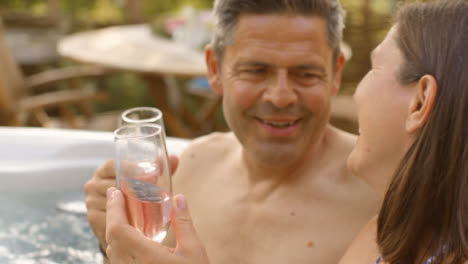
{"points": [[142, 170], [140, 115]]}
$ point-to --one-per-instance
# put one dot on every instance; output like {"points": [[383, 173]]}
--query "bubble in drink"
{"points": [[148, 207]]}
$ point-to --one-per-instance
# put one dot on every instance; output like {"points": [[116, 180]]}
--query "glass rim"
{"points": [[158, 131], [158, 115]]}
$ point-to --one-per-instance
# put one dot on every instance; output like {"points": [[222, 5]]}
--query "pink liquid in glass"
{"points": [[148, 207]]}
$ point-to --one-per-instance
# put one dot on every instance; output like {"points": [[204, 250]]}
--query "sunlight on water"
{"points": [[32, 230]]}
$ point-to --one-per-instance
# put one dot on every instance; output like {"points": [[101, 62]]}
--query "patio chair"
{"points": [[205, 120], [29, 100]]}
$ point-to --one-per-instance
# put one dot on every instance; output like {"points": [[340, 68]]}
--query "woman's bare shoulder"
{"points": [[364, 247]]}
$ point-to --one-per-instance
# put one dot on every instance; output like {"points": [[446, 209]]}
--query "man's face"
{"points": [[276, 79]]}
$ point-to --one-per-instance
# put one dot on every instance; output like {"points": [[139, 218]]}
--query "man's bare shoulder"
{"points": [[203, 155], [210, 146], [342, 141], [352, 187], [338, 146]]}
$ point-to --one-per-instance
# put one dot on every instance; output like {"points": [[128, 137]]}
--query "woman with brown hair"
{"points": [[413, 144]]}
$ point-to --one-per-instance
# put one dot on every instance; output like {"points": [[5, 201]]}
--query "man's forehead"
{"points": [[249, 25], [270, 38], [279, 29]]}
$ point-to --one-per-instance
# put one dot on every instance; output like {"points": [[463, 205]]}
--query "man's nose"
{"points": [[280, 92]]}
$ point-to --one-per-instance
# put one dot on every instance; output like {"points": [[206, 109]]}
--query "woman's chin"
{"points": [[352, 162]]}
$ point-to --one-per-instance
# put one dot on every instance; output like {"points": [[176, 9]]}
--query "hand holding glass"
{"points": [[142, 170]]}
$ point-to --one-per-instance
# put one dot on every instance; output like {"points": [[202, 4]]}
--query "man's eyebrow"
{"points": [[306, 67], [250, 64], [310, 67]]}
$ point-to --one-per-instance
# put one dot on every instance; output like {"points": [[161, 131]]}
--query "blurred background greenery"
{"points": [[367, 22]]}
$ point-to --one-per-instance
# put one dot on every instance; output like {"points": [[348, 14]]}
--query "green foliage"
{"points": [[367, 23], [19, 4], [202, 3], [96, 9], [38, 7], [154, 8], [72, 6], [127, 90]]}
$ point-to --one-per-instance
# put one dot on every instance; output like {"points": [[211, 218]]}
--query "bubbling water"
{"points": [[34, 231]]}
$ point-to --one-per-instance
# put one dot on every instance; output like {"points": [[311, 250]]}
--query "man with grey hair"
{"points": [[276, 189]]}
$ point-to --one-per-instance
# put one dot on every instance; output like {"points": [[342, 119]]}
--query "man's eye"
{"points": [[255, 70], [308, 75]]}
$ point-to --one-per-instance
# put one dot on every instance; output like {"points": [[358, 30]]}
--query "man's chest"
{"points": [[236, 231]]}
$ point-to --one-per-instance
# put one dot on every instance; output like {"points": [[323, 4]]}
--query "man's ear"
{"points": [[422, 103], [338, 71], [213, 74]]}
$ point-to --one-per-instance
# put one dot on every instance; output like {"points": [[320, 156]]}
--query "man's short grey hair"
{"points": [[227, 13]]}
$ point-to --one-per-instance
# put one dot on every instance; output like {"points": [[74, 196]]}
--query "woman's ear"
{"points": [[213, 73], [422, 103]]}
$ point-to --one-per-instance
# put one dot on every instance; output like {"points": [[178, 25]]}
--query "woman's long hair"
{"points": [[425, 210]]}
